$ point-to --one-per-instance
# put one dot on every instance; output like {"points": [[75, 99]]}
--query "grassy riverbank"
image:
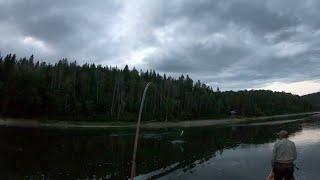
{"points": [[196, 123]]}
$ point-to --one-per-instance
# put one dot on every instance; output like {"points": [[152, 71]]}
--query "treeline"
{"points": [[66, 90], [314, 99]]}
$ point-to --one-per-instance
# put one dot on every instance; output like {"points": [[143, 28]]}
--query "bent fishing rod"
{"points": [[133, 165]]}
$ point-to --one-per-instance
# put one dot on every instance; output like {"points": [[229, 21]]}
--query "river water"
{"points": [[240, 151]]}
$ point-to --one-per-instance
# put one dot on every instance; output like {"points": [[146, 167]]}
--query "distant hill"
{"points": [[314, 99]]}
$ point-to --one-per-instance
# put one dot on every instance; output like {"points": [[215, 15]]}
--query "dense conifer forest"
{"points": [[314, 99], [68, 91]]}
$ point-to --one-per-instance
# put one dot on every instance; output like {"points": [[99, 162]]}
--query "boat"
{"points": [[271, 176]]}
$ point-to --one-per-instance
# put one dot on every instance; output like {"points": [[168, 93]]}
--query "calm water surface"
{"points": [[220, 152]]}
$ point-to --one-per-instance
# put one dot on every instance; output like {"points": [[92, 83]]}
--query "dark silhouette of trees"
{"points": [[314, 99], [66, 90]]}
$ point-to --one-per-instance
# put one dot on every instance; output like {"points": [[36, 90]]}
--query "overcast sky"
{"points": [[233, 44]]}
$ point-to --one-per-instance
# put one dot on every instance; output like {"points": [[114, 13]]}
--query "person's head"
{"points": [[283, 134]]}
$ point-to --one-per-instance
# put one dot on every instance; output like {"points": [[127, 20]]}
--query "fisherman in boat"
{"points": [[283, 156]]}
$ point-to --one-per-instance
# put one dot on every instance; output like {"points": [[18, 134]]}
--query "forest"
{"points": [[314, 99], [88, 92]]}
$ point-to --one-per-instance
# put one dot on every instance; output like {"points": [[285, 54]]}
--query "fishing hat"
{"points": [[283, 133]]}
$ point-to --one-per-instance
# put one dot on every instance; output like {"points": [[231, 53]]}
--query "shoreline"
{"points": [[8, 122]]}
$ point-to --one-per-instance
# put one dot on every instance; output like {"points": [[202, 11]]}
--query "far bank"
{"points": [[9, 122]]}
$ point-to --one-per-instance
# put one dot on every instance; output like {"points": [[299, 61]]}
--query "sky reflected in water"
{"points": [[219, 152], [253, 161]]}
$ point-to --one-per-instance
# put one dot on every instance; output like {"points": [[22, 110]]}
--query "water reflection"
{"points": [[197, 153], [251, 159], [203, 144]]}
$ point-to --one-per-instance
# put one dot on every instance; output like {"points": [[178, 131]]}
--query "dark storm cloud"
{"points": [[258, 17], [67, 27], [233, 44], [199, 58]]}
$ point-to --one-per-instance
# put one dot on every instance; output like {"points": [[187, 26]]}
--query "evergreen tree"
{"points": [[66, 90]]}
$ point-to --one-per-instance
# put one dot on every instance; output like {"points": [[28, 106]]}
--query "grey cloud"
{"points": [[69, 27], [235, 44], [199, 59], [258, 17]]}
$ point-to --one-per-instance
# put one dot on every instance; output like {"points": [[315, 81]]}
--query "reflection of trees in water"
{"points": [[79, 154], [202, 144], [61, 154]]}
